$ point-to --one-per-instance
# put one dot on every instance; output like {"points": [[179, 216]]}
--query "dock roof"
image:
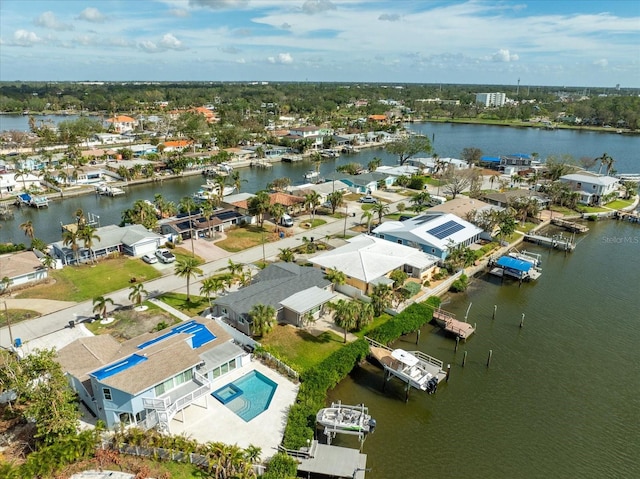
{"points": [[514, 264]]}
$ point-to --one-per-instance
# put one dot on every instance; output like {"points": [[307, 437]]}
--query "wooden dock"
{"points": [[632, 216], [449, 323], [555, 241], [570, 225]]}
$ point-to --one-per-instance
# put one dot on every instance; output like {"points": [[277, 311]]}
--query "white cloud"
{"points": [[504, 56], [170, 42], [285, 26], [149, 46], [24, 38], [49, 20], [602, 62], [389, 17], [179, 12], [92, 15], [232, 50], [312, 7], [218, 4], [282, 58]]}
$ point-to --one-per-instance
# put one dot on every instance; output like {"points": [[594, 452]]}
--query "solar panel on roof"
{"points": [[445, 229]]}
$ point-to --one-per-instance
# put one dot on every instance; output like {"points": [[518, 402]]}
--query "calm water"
{"points": [[561, 398]]}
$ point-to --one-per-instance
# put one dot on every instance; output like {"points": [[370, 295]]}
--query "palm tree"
{"points": [[27, 228], [311, 202], [87, 234], [187, 268], [276, 211], [336, 198], [262, 318], [100, 305], [188, 205], [381, 296], [287, 255], [337, 277], [344, 315], [606, 161], [22, 174], [211, 285], [380, 209], [70, 237], [367, 215], [236, 180], [136, 294]]}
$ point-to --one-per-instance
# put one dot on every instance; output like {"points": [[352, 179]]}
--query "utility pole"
{"points": [[6, 314], [346, 214]]}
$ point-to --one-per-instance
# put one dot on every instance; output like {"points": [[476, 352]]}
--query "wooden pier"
{"points": [[291, 158], [632, 216], [555, 241], [449, 323], [570, 225]]}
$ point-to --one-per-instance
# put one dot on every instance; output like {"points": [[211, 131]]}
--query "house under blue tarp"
{"points": [[490, 159]]}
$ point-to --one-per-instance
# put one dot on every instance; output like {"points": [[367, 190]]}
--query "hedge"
{"points": [[411, 319], [318, 380], [315, 383]]}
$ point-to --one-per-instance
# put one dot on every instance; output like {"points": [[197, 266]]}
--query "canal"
{"points": [[561, 396]]}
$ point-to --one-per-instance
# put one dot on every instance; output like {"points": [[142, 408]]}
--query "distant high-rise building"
{"points": [[491, 99]]}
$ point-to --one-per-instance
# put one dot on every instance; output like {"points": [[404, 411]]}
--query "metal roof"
{"points": [[514, 264], [308, 299]]}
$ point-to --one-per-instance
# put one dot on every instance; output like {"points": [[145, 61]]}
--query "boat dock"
{"points": [[260, 164], [517, 266], [415, 368], [449, 323], [291, 158], [329, 461], [33, 201], [555, 241], [632, 216], [344, 419], [570, 225]]}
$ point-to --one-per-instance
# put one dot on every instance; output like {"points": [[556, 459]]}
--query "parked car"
{"points": [[367, 199], [149, 258], [165, 256]]}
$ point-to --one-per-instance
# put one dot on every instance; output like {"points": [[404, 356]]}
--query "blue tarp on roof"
{"points": [[514, 264], [490, 159]]}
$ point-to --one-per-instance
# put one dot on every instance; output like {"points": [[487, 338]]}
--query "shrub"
{"points": [[417, 183], [401, 206], [592, 218], [460, 284], [412, 288], [281, 466], [407, 321]]}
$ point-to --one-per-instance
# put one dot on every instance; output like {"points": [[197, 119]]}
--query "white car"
{"points": [[165, 256], [149, 258], [367, 199]]}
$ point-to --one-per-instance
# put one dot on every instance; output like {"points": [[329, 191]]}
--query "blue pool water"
{"points": [[256, 389]]}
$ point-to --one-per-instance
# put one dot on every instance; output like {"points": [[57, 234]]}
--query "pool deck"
{"points": [[216, 422]]}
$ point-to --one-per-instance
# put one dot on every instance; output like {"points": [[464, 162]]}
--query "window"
{"points": [[399, 241], [106, 392]]}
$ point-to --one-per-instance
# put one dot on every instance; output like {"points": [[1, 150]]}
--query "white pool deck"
{"points": [[214, 422]]}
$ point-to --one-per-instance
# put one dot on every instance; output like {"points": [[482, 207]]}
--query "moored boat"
{"points": [[342, 418]]}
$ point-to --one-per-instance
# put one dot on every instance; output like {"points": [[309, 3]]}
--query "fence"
{"points": [[275, 363]]}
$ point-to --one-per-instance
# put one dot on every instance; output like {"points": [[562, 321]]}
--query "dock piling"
{"points": [[417, 335], [464, 358], [489, 358], [522, 321], [495, 310], [455, 349], [448, 371]]}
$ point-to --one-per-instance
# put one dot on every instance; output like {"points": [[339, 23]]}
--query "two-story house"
{"points": [[591, 187], [147, 380]]}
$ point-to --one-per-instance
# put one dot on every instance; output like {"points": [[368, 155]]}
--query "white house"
{"points": [[433, 164], [122, 123], [367, 260], [435, 234], [591, 187], [21, 268]]}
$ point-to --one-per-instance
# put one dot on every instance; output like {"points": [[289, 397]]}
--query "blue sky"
{"points": [[540, 42]]}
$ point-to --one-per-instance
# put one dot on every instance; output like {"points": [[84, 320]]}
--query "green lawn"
{"points": [[16, 315], [241, 238], [594, 209], [563, 210], [79, 283], [525, 228], [316, 222], [619, 204], [185, 252], [298, 348], [384, 317], [194, 307]]}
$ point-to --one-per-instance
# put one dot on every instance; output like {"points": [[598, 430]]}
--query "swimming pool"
{"points": [[248, 396]]}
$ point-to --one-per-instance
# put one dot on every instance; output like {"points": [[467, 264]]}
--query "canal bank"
{"points": [[560, 396]]}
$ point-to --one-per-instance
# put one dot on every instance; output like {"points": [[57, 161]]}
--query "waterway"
{"points": [[561, 397], [449, 140]]}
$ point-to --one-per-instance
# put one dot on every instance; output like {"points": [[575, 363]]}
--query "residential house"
{"points": [[397, 171], [132, 240], [147, 380], [291, 203], [435, 234], [368, 182], [294, 291], [367, 260], [21, 268], [437, 165], [505, 198], [183, 226], [514, 163], [176, 145], [593, 188], [122, 123], [462, 206], [323, 189], [379, 119]]}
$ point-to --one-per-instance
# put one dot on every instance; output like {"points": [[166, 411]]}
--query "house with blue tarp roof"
{"points": [[147, 380]]}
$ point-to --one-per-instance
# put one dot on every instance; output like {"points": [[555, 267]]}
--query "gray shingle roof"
{"points": [[272, 285]]}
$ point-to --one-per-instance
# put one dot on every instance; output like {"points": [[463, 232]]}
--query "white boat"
{"points": [[341, 418], [211, 189], [419, 373], [311, 175], [106, 190], [534, 258]]}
